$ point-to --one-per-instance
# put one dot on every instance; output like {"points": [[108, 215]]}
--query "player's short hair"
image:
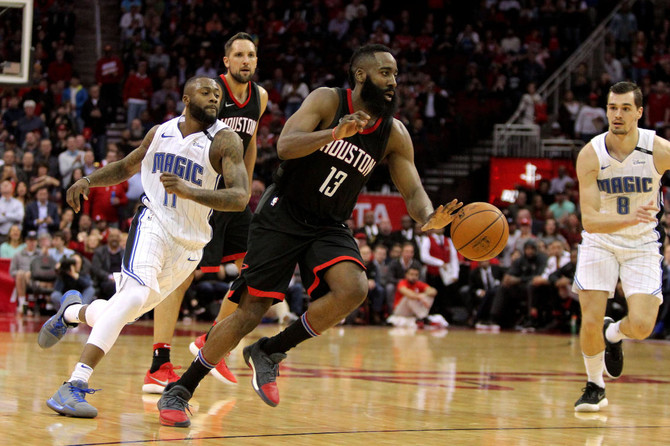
{"points": [[238, 36], [189, 83], [362, 53], [626, 87]]}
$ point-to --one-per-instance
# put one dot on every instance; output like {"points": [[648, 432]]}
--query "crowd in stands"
{"points": [[462, 68]]}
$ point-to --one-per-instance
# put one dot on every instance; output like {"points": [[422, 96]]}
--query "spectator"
{"points": [[613, 67], [69, 160], [13, 244], [567, 113], [206, 69], [108, 75], [41, 214], [19, 268], [356, 10], [521, 202], [562, 280], [338, 26], [27, 170], [96, 113], [657, 111], [560, 181], [71, 277], [59, 69], [572, 230], [562, 207], [137, 91], [29, 122], [107, 203], [413, 300], [591, 119], [406, 232], [550, 233], [543, 300], [483, 283], [89, 164], [21, 193], [46, 157], [512, 296], [12, 115], [106, 261], [11, 210], [533, 107], [293, 94], [30, 144], [42, 179], [58, 250], [369, 228], [376, 293], [77, 95], [442, 268]]}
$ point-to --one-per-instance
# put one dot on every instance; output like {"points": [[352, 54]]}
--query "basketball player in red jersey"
{"points": [[330, 147], [242, 105]]}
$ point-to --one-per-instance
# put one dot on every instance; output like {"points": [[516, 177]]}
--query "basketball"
{"points": [[479, 231]]}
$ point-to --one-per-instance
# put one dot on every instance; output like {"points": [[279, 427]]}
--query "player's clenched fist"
{"points": [[175, 185]]}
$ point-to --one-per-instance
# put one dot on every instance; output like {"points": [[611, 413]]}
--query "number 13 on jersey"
{"points": [[332, 182]]}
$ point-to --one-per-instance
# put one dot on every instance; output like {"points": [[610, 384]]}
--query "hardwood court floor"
{"points": [[352, 386]]}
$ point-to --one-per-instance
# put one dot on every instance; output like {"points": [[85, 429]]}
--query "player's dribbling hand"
{"points": [[174, 185], [79, 188], [351, 124], [647, 213], [442, 216]]}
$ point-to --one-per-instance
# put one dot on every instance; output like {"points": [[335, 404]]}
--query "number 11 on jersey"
{"points": [[166, 199], [337, 177]]}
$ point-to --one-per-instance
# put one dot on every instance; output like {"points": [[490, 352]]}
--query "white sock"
{"points": [[614, 333], [71, 313], [81, 372], [595, 365]]}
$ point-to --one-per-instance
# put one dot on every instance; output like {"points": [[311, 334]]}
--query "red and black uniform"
{"points": [[230, 229], [300, 218]]}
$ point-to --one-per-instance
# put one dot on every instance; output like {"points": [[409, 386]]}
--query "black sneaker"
{"points": [[613, 353], [265, 371], [593, 399], [173, 405]]}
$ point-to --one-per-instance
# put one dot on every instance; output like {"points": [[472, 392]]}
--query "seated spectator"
{"points": [[369, 228], [58, 249], [512, 296], [551, 234], [562, 279], [27, 170], [41, 214], [543, 300], [43, 179], [42, 267], [13, 244], [376, 294], [572, 230], [107, 261], [21, 193], [398, 268], [30, 122], [69, 276], [483, 284], [11, 210], [413, 300], [107, 202], [562, 207], [591, 119], [19, 268], [560, 181], [406, 232]]}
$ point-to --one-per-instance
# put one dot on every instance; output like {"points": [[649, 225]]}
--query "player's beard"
{"points": [[201, 115], [375, 101], [240, 78]]}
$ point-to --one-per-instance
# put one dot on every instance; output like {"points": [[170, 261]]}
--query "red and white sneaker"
{"points": [[221, 371], [156, 382]]}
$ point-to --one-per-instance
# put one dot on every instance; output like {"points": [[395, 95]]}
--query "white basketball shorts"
{"points": [[602, 262]]}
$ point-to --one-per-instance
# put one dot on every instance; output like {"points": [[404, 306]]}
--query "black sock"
{"points": [[198, 369], [161, 356], [291, 336]]}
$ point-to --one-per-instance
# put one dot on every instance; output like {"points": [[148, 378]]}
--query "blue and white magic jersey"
{"points": [[626, 185], [185, 220]]}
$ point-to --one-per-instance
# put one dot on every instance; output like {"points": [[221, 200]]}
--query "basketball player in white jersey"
{"points": [[619, 175], [182, 162]]}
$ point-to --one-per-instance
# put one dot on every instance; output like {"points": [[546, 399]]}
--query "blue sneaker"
{"points": [[70, 400], [55, 328]]}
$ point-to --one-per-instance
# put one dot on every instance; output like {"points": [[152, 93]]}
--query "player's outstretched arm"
{"points": [[113, 173], [226, 155], [406, 178]]}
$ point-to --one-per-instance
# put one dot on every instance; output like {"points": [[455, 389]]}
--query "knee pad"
{"points": [[94, 310]]}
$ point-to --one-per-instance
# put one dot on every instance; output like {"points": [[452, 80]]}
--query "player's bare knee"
{"points": [[353, 293], [639, 328]]}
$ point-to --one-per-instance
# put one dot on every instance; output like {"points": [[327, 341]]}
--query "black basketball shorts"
{"points": [[279, 238], [229, 239]]}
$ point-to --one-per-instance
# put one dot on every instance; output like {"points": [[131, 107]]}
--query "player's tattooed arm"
{"points": [[113, 173], [226, 155]]}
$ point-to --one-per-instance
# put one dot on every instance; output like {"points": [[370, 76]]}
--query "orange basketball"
{"points": [[479, 231]]}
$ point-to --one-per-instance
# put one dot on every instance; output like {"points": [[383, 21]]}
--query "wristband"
{"points": [[333, 133], [87, 179]]}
